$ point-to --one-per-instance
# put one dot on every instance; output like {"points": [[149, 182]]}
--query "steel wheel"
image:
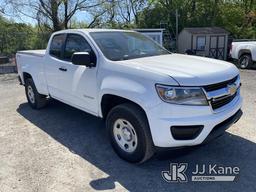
{"points": [[244, 62], [31, 95], [125, 135], [35, 99], [129, 133]]}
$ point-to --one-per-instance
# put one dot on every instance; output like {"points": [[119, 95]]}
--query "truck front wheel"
{"points": [[245, 61], [35, 99], [129, 133]]}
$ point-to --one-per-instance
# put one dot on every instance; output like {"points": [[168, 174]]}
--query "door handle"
{"points": [[62, 69]]}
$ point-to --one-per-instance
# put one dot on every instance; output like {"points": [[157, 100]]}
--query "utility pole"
{"points": [[177, 28]]}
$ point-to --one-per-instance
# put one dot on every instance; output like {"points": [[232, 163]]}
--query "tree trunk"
{"points": [[66, 15], [54, 16]]}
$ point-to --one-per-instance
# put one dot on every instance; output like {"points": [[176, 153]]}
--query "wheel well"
{"points": [[26, 76], [244, 52], [109, 101]]}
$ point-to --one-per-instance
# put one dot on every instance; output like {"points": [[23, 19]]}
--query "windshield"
{"points": [[118, 46]]}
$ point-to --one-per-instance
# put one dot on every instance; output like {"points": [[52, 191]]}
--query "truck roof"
{"points": [[90, 30]]}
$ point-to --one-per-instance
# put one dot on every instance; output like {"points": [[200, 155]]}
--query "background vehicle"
{"points": [[149, 97], [244, 53]]}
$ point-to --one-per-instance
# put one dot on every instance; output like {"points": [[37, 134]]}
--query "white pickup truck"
{"points": [[244, 53], [150, 98]]}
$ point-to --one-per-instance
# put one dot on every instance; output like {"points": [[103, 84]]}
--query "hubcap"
{"points": [[31, 95], [125, 135], [244, 62]]}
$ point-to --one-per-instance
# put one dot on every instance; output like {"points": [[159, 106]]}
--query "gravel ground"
{"points": [[60, 148]]}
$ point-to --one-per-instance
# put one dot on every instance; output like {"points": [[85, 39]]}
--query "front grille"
{"points": [[217, 86], [222, 101]]}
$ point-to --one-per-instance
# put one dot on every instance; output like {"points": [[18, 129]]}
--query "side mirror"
{"points": [[82, 58]]}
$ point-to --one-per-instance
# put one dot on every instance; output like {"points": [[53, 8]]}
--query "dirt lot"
{"points": [[63, 149]]}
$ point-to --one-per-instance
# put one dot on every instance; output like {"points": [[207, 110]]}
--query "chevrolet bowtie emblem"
{"points": [[232, 88]]}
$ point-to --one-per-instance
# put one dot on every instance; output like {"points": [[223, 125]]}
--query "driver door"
{"points": [[76, 84]]}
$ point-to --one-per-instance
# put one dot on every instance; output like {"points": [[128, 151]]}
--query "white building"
{"points": [[155, 34]]}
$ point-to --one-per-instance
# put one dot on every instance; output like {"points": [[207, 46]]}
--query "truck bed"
{"points": [[38, 53], [32, 62]]}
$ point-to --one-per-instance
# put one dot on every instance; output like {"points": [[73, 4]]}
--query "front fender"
{"points": [[140, 92]]}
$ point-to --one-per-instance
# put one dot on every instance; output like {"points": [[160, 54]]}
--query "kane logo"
{"points": [[204, 172], [176, 173]]}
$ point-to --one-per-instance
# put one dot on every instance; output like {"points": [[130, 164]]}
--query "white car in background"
{"points": [[244, 53]]}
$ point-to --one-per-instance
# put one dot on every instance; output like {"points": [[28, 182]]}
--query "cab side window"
{"points": [[75, 43], [57, 45]]}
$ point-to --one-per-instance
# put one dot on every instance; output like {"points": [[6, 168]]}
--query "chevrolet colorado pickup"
{"points": [[244, 53], [150, 98]]}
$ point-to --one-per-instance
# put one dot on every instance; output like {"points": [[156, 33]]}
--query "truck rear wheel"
{"points": [[129, 133], [35, 99], [245, 61]]}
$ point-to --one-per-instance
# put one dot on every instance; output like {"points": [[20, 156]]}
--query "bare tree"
{"points": [[123, 12], [128, 10], [53, 14], [117, 13]]}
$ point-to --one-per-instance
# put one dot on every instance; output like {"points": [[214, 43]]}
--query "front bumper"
{"points": [[163, 116], [223, 126]]}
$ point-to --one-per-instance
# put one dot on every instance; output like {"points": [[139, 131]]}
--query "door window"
{"points": [[75, 43]]}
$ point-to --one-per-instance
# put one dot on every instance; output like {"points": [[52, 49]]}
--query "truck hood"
{"points": [[187, 70]]}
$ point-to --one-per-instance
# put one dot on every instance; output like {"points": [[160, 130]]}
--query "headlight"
{"points": [[182, 95]]}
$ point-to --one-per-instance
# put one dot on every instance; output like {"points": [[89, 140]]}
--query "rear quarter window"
{"points": [[57, 45]]}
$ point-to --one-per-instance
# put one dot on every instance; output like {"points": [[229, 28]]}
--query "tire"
{"points": [[142, 148], [245, 61], [35, 99]]}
